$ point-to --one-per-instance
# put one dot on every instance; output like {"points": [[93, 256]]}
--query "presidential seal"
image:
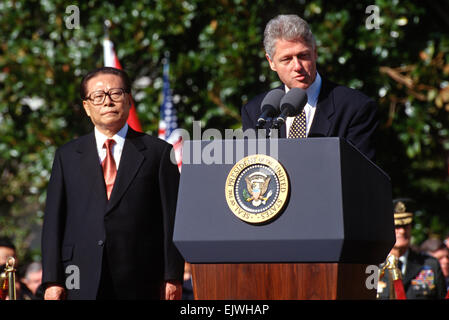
{"points": [[257, 188]]}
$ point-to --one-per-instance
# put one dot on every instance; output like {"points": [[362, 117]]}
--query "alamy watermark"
{"points": [[72, 282], [373, 20], [211, 147], [373, 277], [72, 21]]}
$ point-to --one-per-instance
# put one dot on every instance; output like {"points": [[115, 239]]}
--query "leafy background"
{"points": [[216, 65]]}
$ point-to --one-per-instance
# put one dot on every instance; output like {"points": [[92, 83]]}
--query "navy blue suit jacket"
{"points": [[135, 225], [341, 112]]}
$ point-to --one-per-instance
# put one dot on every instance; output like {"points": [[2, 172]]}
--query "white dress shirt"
{"points": [[403, 259], [312, 99], [117, 148]]}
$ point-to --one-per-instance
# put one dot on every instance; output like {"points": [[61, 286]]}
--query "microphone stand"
{"points": [[260, 130], [277, 124]]}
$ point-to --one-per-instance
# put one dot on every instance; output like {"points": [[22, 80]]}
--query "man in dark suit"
{"points": [[332, 110], [111, 204], [421, 274]]}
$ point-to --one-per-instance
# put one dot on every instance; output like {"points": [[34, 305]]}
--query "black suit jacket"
{"points": [[135, 225], [340, 112]]}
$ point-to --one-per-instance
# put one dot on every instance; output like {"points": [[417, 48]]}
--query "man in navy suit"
{"points": [[331, 110], [111, 204]]}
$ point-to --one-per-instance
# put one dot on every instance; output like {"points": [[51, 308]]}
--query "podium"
{"points": [[337, 220]]}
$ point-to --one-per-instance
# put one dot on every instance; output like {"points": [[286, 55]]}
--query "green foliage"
{"points": [[217, 65]]}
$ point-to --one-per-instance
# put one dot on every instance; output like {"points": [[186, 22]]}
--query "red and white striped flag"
{"points": [[111, 60]]}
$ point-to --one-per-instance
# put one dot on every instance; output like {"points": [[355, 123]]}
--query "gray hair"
{"points": [[33, 267], [288, 27]]}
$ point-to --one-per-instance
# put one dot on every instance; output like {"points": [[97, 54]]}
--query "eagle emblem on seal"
{"points": [[256, 187]]}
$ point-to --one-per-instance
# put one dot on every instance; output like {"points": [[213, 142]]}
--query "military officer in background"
{"points": [[421, 274]]}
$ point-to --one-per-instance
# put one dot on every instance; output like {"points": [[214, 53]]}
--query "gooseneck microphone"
{"points": [[270, 106], [291, 105]]}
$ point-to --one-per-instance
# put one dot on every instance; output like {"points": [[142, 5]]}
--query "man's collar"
{"points": [[404, 256], [119, 137]]}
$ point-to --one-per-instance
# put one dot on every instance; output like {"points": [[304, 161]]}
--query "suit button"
{"points": [[100, 243]]}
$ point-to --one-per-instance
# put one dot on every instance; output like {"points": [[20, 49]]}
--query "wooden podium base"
{"points": [[284, 281]]}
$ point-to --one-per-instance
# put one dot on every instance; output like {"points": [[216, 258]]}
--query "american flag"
{"points": [[168, 122]]}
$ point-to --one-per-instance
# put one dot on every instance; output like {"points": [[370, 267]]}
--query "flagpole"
{"points": [[106, 26], [108, 46], [111, 60]]}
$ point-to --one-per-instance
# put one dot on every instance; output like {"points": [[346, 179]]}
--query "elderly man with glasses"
{"points": [[110, 208]]}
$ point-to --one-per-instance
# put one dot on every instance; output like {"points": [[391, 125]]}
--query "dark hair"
{"points": [[104, 70], [6, 242], [431, 245]]}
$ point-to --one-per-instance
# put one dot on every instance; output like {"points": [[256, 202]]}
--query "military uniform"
{"points": [[423, 278]]}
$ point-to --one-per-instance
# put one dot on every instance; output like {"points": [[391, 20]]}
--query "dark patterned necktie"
{"points": [[109, 167], [298, 128]]}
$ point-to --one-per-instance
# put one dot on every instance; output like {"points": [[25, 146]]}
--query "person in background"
{"points": [[446, 240], [421, 274], [31, 282], [7, 249], [187, 286], [437, 249]]}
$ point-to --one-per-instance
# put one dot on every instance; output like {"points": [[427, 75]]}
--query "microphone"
{"points": [[270, 106], [291, 105]]}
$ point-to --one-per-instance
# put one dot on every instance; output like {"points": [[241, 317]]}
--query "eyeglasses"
{"points": [[98, 97]]}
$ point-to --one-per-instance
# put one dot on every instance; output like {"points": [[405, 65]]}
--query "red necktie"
{"points": [[109, 167]]}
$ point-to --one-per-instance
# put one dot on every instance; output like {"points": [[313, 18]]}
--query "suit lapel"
{"points": [[324, 110], [130, 162], [91, 167]]}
